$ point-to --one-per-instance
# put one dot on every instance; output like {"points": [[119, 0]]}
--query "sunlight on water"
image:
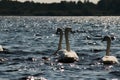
{"points": [[28, 39]]}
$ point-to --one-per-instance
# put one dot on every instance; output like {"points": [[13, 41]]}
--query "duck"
{"points": [[66, 55], [107, 59]]}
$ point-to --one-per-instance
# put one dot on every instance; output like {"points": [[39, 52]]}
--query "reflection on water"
{"points": [[28, 39]]}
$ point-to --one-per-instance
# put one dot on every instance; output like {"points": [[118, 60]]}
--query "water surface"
{"points": [[28, 39]]}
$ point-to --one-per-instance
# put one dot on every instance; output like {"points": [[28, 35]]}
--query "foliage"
{"points": [[64, 8]]}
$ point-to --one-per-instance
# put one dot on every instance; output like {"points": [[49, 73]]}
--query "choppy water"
{"points": [[28, 39]]}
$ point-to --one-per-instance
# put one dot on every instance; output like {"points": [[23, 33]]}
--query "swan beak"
{"points": [[58, 31], [72, 31], [104, 39]]}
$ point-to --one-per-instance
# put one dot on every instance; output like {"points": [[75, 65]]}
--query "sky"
{"points": [[50, 1]]}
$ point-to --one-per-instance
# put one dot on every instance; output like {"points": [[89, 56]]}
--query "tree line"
{"points": [[64, 8]]}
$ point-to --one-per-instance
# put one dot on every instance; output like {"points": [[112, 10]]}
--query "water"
{"points": [[28, 39]]}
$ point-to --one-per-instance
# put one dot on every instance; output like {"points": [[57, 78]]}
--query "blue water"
{"points": [[28, 39]]}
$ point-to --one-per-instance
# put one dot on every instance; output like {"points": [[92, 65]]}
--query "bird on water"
{"points": [[107, 59], [66, 55]]}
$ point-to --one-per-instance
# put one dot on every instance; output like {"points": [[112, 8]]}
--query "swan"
{"points": [[61, 38], [66, 55], [107, 59], [59, 31], [1, 48]]}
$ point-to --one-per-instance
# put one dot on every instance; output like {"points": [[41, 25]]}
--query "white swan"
{"points": [[107, 59], [59, 31], [61, 38], [66, 55], [1, 48]]}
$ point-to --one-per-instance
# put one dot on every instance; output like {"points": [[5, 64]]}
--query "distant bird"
{"points": [[66, 55], [107, 59], [1, 48]]}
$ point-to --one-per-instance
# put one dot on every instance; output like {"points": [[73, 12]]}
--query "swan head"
{"points": [[68, 29], [106, 38], [58, 30]]}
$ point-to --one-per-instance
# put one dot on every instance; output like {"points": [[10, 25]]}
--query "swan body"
{"points": [[1, 48], [66, 55], [107, 59]]}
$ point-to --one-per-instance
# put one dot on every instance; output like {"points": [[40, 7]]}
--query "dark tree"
{"points": [[64, 8]]}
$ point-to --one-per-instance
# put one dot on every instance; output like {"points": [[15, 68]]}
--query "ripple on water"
{"points": [[29, 40]]}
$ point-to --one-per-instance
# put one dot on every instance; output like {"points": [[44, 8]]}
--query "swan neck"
{"points": [[60, 40], [67, 40], [108, 47]]}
